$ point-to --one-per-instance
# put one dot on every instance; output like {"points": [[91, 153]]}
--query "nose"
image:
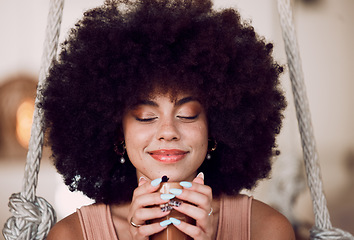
{"points": [[168, 130]]}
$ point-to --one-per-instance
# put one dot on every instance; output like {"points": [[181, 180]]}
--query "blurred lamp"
{"points": [[24, 117]]}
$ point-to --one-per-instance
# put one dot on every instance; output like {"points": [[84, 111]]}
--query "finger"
{"points": [[197, 187], [191, 230], [151, 199], [199, 178], [199, 214], [144, 187], [142, 180], [199, 195], [144, 214], [150, 229]]}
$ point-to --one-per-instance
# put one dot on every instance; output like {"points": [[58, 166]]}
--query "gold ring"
{"points": [[134, 224], [211, 211]]}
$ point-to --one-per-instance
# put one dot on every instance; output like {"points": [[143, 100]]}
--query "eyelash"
{"points": [[188, 118], [151, 119], [145, 119]]}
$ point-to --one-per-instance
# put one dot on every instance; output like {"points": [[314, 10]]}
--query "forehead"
{"points": [[174, 93]]}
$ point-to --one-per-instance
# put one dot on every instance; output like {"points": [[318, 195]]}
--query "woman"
{"points": [[149, 88]]}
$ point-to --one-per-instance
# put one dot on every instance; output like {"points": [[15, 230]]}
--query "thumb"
{"points": [[199, 178]]}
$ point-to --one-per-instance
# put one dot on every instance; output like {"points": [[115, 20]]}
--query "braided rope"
{"points": [[323, 227], [333, 233], [34, 216]]}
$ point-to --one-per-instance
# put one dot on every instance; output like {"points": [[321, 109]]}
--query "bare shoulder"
{"points": [[67, 228], [268, 223]]}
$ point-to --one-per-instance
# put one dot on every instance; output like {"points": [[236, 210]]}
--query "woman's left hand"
{"points": [[197, 204]]}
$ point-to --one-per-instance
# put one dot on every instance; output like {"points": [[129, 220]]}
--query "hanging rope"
{"points": [[34, 216], [323, 228]]}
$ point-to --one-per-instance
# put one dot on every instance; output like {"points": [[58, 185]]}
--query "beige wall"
{"points": [[325, 35]]}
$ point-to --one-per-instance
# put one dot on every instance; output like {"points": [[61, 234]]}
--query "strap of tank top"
{"points": [[96, 222]]}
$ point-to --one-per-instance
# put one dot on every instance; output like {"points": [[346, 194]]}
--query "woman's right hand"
{"points": [[144, 207]]}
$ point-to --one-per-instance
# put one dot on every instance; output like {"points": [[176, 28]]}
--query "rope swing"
{"points": [[323, 228], [33, 216]]}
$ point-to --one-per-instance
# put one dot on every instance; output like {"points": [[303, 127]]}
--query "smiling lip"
{"points": [[168, 155]]}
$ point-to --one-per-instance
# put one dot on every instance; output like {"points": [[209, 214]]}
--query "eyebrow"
{"points": [[177, 103], [184, 100], [147, 102]]}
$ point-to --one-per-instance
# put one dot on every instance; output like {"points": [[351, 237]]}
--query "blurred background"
{"points": [[325, 35]]}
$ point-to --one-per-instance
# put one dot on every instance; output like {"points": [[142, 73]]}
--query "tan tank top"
{"points": [[234, 220]]}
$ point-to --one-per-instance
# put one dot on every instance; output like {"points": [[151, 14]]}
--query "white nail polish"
{"points": [[142, 178], [201, 175]]}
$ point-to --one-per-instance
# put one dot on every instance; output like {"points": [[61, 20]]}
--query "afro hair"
{"points": [[120, 52]]}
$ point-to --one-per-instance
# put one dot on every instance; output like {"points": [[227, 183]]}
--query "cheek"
{"points": [[198, 137], [199, 140], [129, 132], [203, 135], [136, 137]]}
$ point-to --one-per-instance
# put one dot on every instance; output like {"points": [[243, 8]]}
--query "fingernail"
{"points": [[174, 203], [165, 223], [176, 191], [156, 182], [185, 184], [166, 208], [141, 178], [166, 196], [201, 175], [175, 221]]}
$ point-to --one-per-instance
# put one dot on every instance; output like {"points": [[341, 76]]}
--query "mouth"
{"points": [[168, 155]]}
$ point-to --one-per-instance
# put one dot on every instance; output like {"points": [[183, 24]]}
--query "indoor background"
{"points": [[325, 35]]}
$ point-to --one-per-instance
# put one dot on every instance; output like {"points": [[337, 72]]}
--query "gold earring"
{"points": [[208, 156]]}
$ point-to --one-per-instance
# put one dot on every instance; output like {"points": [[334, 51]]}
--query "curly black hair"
{"points": [[122, 52]]}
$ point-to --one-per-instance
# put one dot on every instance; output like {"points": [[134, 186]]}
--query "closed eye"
{"points": [[145, 119], [188, 117]]}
